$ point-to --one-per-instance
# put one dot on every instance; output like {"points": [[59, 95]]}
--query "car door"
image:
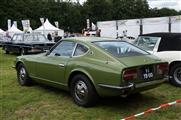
{"points": [[51, 67]]}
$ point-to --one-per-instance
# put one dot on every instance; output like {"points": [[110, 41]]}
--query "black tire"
{"points": [[22, 76], [175, 75], [83, 91]]}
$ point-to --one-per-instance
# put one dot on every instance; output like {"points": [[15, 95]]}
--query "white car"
{"points": [[129, 39], [166, 46]]}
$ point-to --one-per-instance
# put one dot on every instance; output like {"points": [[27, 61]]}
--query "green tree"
{"points": [[72, 16]]}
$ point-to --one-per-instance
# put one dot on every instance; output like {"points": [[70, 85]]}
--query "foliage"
{"points": [[72, 16]]}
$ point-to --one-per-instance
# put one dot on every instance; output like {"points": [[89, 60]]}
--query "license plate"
{"points": [[147, 73]]}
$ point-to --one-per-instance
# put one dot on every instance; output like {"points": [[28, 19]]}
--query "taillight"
{"points": [[162, 68], [130, 74]]}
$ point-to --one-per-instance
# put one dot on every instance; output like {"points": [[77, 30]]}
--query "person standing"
{"points": [[49, 37], [98, 32]]}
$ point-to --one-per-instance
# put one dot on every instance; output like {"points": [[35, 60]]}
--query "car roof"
{"points": [[169, 41], [89, 39], [28, 34], [163, 34]]}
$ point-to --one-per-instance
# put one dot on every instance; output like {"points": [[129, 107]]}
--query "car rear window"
{"points": [[120, 48], [146, 42]]}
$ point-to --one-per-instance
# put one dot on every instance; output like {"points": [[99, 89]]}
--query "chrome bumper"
{"points": [[131, 86]]}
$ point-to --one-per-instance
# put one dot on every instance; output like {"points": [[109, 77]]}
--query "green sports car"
{"points": [[89, 67]]}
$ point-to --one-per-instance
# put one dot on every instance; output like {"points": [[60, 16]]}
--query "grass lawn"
{"points": [[40, 102]]}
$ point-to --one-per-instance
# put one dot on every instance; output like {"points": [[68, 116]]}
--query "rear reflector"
{"points": [[130, 74], [162, 68]]}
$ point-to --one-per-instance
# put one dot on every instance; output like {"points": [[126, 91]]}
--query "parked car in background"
{"points": [[1, 39], [129, 39], [4, 39], [89, 67], [167, 46], [27, 43], [90, 33]]}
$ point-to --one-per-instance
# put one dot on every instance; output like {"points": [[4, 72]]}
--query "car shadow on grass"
{"points": [[136, 100], [51, 89]]}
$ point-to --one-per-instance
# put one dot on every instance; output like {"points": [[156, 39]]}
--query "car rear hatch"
{"points": [[143, 69]]}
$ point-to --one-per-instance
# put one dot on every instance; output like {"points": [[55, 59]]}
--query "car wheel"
{"points": [[82, 91], [22, 75], [175, 75]]}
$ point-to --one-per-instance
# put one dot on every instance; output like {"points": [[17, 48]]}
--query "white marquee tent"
{"points": [[13, 30], [47, 27], [133, 26], [1, 31], [108, 28]]}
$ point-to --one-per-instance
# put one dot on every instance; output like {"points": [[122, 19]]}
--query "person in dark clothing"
{"points": [[49, 37], [98, 32], [57, 37]]}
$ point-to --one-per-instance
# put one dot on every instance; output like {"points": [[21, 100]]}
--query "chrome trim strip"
{"points": [[62, 65], [74, 49], [131, 85]]}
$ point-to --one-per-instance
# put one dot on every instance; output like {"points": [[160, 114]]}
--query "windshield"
{"points": [[35, 38], [120, 48], [146, 42]]}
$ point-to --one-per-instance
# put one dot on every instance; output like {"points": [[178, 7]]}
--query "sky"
{"points": [[174, 4]]}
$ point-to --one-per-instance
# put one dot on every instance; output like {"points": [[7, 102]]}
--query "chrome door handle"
{"points": [[62, 65]]}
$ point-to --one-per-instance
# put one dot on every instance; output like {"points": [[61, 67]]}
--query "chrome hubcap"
{"points": [[177, 75], [81, 91], [22, 73]]}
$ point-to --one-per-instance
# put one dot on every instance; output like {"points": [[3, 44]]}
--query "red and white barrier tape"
{"points": [[153, 109]]}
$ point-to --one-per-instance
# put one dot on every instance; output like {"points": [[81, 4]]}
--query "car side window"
{"points": [[65, 48], [29, 38], [80, 50], [19, 38], [14, 38]]}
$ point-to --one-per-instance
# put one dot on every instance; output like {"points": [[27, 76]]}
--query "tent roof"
{"points": [[47, 26], [1, 31], [14, 29]]}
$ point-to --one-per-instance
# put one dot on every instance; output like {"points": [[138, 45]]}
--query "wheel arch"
{"points": [[82, 72], [174, 63], [19, 62]]}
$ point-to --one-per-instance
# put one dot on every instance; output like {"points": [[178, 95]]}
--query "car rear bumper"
{"points": [[132, 87]]}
